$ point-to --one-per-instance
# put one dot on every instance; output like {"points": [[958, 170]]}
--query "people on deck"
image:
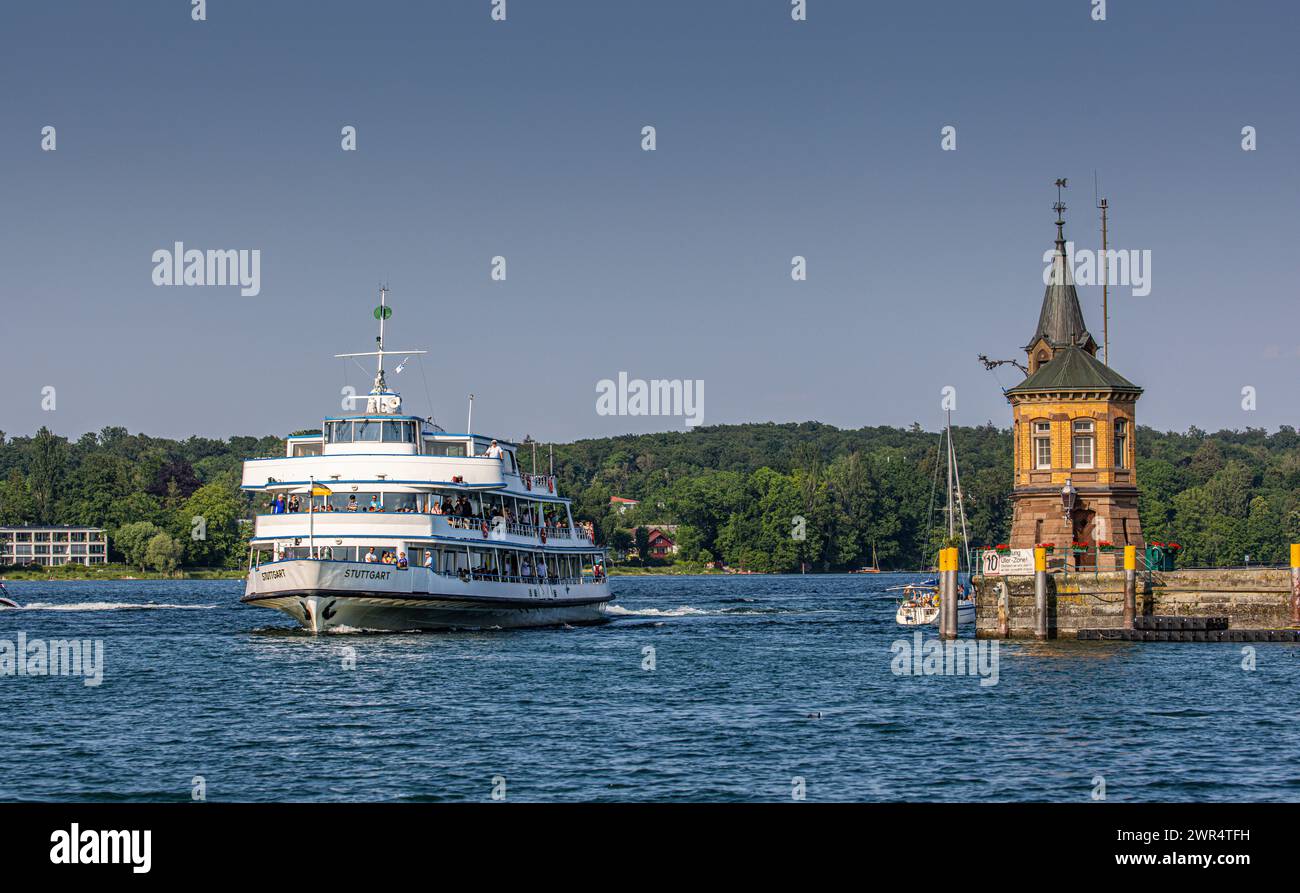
{"points": [[428, 558], [494, 451], [402, 563], [371, 557], [352, 503]]}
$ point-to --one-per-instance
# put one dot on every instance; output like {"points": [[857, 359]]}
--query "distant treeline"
{"points": [[734, 491]]}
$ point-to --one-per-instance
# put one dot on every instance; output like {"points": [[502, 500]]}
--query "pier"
{"points": [[1194, 604]]}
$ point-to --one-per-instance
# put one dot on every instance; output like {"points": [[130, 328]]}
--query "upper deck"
{"points": [[396, 453]]}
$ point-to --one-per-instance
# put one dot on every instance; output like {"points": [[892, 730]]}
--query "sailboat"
{"points": [[875, 564], [920, 602]]}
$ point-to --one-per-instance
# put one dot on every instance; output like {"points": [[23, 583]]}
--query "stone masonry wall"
{"points": [[1251, 599]]}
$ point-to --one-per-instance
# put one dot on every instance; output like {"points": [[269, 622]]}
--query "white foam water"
{"points": [[110, 606], [682, 611]]}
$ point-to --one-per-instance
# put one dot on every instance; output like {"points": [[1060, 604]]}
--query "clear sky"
{"points": [[522, 138]]}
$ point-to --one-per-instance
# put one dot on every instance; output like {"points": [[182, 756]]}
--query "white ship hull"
{"points": [[324, 595]]}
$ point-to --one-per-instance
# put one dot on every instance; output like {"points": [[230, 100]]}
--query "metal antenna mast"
{"points": [[1105, 285]]}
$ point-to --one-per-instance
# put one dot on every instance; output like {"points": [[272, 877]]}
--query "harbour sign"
{"points": [[1016, 563]]}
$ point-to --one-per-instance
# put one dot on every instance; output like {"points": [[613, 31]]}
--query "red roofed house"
{"points": [[660, 544], [623, 504]]}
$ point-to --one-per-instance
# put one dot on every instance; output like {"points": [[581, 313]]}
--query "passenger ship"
{"points": [[482, 543]]}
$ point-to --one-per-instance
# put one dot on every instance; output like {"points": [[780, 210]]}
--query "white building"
{"points": [[50, 546]]}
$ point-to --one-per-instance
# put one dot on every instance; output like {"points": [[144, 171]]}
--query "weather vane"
{"points": [[1059, 207]]}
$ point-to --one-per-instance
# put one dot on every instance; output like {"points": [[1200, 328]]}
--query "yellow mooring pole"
{"points": [[1295, 584], [1130, 586], [1040, 593]]}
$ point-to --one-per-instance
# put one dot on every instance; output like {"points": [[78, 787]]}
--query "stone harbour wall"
{"points": [[1255, 598]]}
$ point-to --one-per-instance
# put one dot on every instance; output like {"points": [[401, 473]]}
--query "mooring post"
{"points": [[948, 593], [1040, 593], [1004, 610], [1130, 585], [943, 592], [1295, 584]]}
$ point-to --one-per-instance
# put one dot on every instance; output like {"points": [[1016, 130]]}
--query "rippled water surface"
{"points": [[757, 681]]}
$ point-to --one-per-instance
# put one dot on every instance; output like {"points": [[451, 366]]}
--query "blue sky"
{"points": [[522, 139]]}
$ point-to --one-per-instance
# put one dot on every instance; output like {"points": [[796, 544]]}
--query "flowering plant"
{"points": [[1105, 545], [1079, 545], [1047, 547], [1003, 548]]}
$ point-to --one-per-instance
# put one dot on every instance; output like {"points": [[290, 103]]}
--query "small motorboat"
{"points": [[5, 601]]}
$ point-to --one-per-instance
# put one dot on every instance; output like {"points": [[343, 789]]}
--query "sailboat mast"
{"points": [[948, 429]]}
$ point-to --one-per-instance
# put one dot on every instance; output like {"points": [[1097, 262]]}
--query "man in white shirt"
{"points": [[428, 558], [527, 570], [494, 451], [371, 557], [541, 568]]}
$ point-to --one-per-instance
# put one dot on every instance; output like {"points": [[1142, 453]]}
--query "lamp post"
{"points": [[1069, 498]]}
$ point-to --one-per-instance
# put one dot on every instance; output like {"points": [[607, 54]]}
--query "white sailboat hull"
{"points": [[928, 615], [324, 595]]}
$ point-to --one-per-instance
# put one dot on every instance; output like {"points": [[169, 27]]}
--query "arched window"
{"points": [[1084, 431], [1042, 445]]}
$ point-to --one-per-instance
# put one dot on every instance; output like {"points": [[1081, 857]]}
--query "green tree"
{"points": [[48, 463], [208, 525], [133, 539], [163, 553], [16, 505]]}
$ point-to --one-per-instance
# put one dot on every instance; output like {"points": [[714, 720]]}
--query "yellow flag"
{"points": [[321, 490]]}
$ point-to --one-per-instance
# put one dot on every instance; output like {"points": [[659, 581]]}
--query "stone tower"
{"points": [[1073, 430]]}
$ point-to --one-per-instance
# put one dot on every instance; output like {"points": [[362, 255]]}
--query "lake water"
{"points": [[757, 681]]}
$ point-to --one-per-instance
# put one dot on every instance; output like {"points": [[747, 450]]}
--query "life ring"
{"points": [[484, 528]]}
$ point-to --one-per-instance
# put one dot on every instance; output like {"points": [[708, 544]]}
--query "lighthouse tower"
{"points": [[1074, 427]]}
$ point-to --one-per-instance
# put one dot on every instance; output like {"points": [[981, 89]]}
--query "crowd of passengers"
{"points": [[522, 567], [459, 507]]}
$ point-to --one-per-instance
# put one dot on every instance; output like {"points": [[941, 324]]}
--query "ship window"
{"points": [[435, 448], [367, 430], [398, 432], [338, 432]]}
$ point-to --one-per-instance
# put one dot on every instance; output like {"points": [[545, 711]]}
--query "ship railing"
{"points": [[493, 577]]}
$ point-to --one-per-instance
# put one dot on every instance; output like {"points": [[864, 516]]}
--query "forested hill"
{"points": [[733, 490]]}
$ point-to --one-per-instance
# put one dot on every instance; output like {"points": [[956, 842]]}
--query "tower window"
{"points": [[1042, 445], [1083, 443], [1121, 443]]}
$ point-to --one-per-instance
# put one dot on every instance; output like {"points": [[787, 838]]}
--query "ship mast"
{"points": [[382, 313]]}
